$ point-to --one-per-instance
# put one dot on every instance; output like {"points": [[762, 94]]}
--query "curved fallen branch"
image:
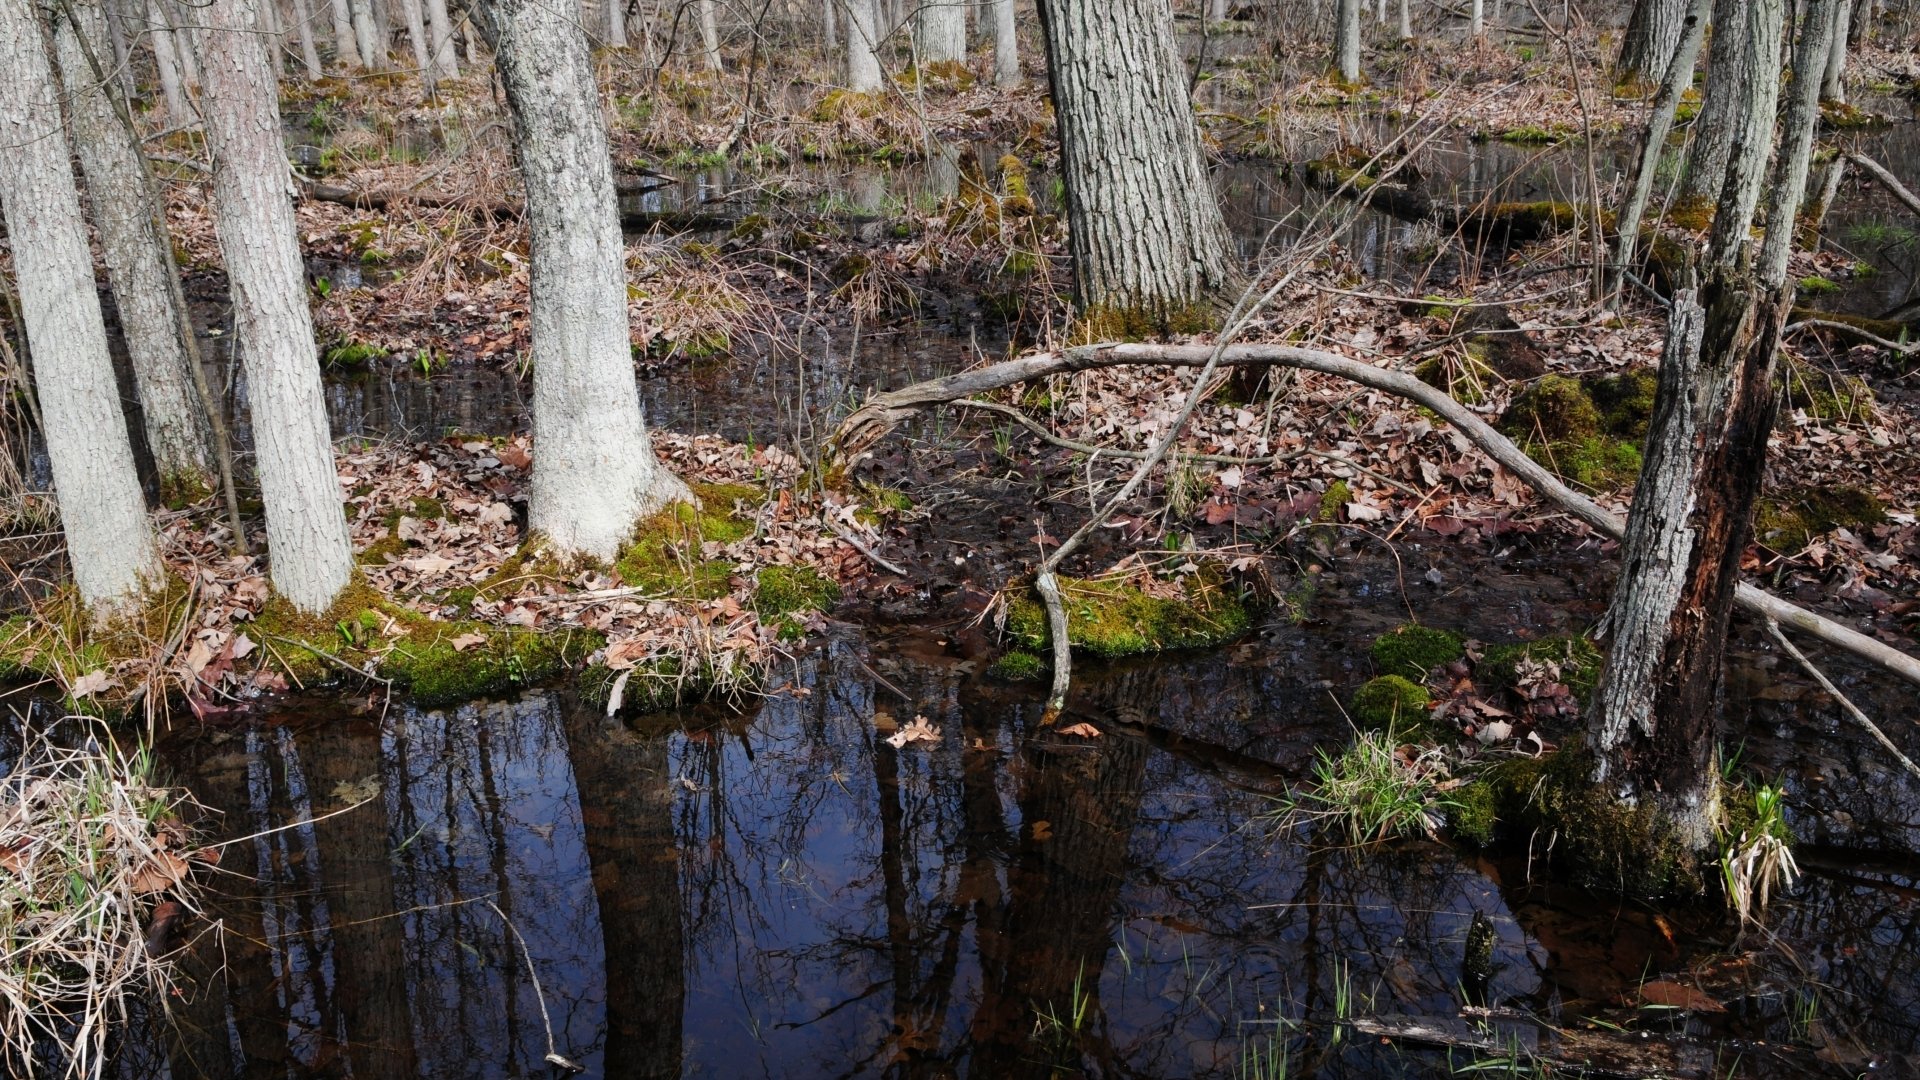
{"points": [[880, 415]]}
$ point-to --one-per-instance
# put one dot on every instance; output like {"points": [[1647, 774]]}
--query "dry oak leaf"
{"points": [[1679, 996], [919, 729], [1083, 730], [89, 684], [467, 641]]}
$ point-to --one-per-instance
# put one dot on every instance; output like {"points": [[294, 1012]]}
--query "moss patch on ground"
{"points": [[1114, 617], [1586, 430], [1577, 657], [1411, 651], [1392, 703], [1823, 395], [1789, 520], [61, 642], [665, 556], [780, 592], [1017, 665]]}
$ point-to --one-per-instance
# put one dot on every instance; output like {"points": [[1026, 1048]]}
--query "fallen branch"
{"points": [[1846, 704], [1891, 182], [861, 546], [872, 421], [1853, 331]]}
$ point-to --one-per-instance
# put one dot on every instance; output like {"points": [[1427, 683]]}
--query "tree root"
{"points": [[874, 420]]}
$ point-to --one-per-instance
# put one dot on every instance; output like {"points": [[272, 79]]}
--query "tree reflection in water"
{"points": [[784, 894]]}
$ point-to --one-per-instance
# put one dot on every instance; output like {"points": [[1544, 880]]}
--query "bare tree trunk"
{"points": [[366, 35], [709, 34], [186, 48], [1647, 47], [1665, 106], [440, 31], [1144, 225], [109, 539], [942, 30], [863, 39], [617, 24], [1406, 22], [166, 64], [345, 49], [416, 18], [139, 261], [253, 212], [1006, 46], [303, 28], [1476, 20], [594, 473], [122, 52], [830, 24], [1653, 723], [1833, 81], [1728, 67], [1346, 41]]}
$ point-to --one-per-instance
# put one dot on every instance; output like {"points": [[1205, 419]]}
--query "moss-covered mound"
{"points": [[1391, 703], [1017, 665], [1586, 430], [1789, 520], [1115, 617], [666, 556], [63, 644], [1824, 395], [780, 592], [1412, 651], [1578, 659]]}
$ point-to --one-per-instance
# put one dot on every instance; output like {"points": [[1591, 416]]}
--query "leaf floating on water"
{"points": [[919, 729], [1082, 730], [351, 792], [1673, 995]]}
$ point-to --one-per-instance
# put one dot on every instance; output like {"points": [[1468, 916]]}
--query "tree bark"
{"points": [[942, 31], [416, 17], [1728, 68], [303, 29], [253, 213], [594, 473], [1006, 46], [345, 49], [616, 24], [863, 42], [440, 32], [1648, 45], [186, 48], [1346, 41], [166, 65], [110, 542], [1666, 104], [1144, 226], [366, 35], [139, 260], [1833, 80], [1406, 22], [709, 34]]}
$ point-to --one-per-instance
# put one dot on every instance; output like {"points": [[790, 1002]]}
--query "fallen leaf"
{"points": [[467, 641], [1675, 995], [89, 684], [1082, 730], [919, 729]]}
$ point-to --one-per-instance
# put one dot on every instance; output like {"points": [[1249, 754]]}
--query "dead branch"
{"points": [[1892, 182], [1846, 704], [872, 421]]}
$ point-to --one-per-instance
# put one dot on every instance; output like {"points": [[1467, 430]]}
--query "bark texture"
{"points": [[139, 258], [345, 49], [166, 65], [1006, 45], [416, 17], [303, 30], [366, 34], [252, 192], [1647, 46], [863, 42], [1144, 225], [109, 540], [594, 473], [709, 33], [1346, 40], [1729, 65], [440, 32], [942, 30], [1833, 82]]}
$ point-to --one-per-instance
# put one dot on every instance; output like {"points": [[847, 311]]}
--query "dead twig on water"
{"points": [[1846, 705], [554, 1056]]}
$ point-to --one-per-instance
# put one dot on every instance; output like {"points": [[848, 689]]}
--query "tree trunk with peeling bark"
{"points": [[1148, 241], [311, 557], [942, 31], [110, 542], [1647, 46], [594, 472], [139, 258], [1653, 724], [863, 43]]}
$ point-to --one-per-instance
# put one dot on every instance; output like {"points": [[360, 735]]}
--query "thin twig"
{"points": [[1846, 705], [553, 1053]]}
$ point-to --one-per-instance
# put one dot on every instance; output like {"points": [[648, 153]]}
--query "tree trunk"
{"points": [[942, 31], [1145, 228], [345, 49], [122, 52], [166, 65], [1476, 20], [1666, 104], [1006, 46], [1833, 81], [863, 39], [303, 28], [366, 35], [416, 17], [139, 259], [109, 540], [186, 48], [1655, 714], [1728, 68], [594, 473], [253, 212], [1647, 47], [1406, 22], [829, 25], [1346, 41], [617, 24], [440, 32], [709, 34]]}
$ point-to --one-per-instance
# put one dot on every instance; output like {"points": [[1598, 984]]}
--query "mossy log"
{"points": [[1504, 222]]}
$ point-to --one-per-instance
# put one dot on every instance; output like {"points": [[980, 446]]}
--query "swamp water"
{"points": [[778, 892]]}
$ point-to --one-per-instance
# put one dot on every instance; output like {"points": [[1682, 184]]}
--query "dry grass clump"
{"points": [[90, 848]]}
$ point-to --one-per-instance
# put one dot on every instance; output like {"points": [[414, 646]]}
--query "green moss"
{"points": [[436, 673], [1140, 322], [1624, 401], [179, 490], [1465, 378], [1560, 424], [1534, 134], [1823, 395], [1017, 665], [60, 641], [1391, 703], [1579, 660], [1474, 813], [1553, 409], [1814, 283], [1412, 651], [1112, 618], [881, 502], [665, 555], [750, 229], [347, 353], [781, 591], [1791, 519], [1332, 501], [382, 551]]}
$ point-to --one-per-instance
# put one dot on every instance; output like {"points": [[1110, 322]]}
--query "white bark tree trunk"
{"points": [[303, 30], [942, 31], [186, 48], [1406, 22], [1346, 41], [345, 49], [122, 51], [1833, 82], [594, 473], [416, 18], [709, 33], [166, 64], [830, 24], [617, 23], [1006, 45], [1647, 47], [1144, 225], [440, 32], [1476, 20], [139, 259], [311, 557], [366, 35], [863, 39], [109, 539]]}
